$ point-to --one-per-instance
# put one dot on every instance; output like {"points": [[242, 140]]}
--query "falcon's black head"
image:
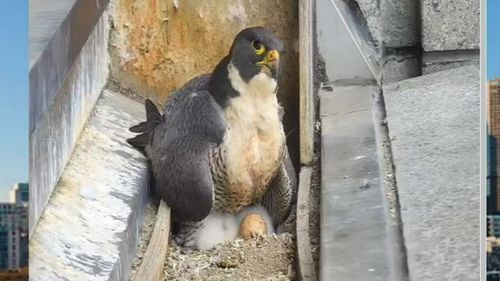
{"points": [[254, 51]]}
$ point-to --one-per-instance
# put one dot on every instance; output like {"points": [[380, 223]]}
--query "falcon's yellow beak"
{"points": [[272, 56], [271, 62]]}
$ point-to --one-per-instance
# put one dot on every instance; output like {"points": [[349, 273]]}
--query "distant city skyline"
{"points": [[13, 95]]}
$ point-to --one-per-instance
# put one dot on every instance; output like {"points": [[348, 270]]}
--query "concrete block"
{"points": [[400, 67], [433, 123], [57, 129], [352, 206], [444, 60], [371, 12], [429, 68], [450, 25], [89, 228], [399, 20]]}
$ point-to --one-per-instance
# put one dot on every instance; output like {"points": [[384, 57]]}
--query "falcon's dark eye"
{"points": [[258, 47]]}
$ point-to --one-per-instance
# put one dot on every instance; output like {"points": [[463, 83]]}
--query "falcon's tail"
{"points": [[145, 129]]}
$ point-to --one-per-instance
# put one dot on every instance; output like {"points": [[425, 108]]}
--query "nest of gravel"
{"points": [[270, 257], [264, 258]]}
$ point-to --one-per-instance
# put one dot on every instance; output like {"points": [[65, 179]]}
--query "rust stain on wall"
{"points": [[158, 45]]}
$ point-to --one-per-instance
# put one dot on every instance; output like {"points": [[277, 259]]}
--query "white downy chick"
{"points": [[219, 227]]}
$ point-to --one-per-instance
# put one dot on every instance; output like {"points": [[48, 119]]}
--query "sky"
{"points": [[13, 94], [493, 39]]}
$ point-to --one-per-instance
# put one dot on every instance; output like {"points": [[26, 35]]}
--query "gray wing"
{"points": [[193, 126], [146, 130], [282, 191], [199, 83]]}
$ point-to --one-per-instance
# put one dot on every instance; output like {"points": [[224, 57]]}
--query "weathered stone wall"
{"points": [[157, 46]]}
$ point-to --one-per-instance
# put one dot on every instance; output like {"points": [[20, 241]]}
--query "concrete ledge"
{"points": [[45, 18], [353, 222], [56, 131], [89, 228], [306, 73], [58, 31], [345, 43], [433, 123]]}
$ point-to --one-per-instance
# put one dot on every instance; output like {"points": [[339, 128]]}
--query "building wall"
{"points": [[19, 194], [493, 225], [494, 136], [4, 247], [14, 229], [491, 180], [10, 235]]}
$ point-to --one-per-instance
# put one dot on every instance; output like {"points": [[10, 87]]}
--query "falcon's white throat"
{"points": [[255, 137], [260, 85]]}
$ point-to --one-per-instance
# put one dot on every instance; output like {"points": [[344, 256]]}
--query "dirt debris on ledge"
{"points": [[266, 258], [314, 212], [146, 232]]}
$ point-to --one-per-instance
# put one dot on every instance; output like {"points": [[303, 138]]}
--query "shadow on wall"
{"points": [[157, 46]]}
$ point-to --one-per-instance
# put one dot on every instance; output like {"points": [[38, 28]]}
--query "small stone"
{"points": [[227, 263]]}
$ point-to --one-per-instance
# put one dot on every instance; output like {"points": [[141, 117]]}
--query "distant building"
{"points": [[19, 194], [493, 111], [493, 225], [14, 229]]}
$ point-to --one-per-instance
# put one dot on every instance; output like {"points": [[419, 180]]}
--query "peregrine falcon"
{"points": [[220, 145]]}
